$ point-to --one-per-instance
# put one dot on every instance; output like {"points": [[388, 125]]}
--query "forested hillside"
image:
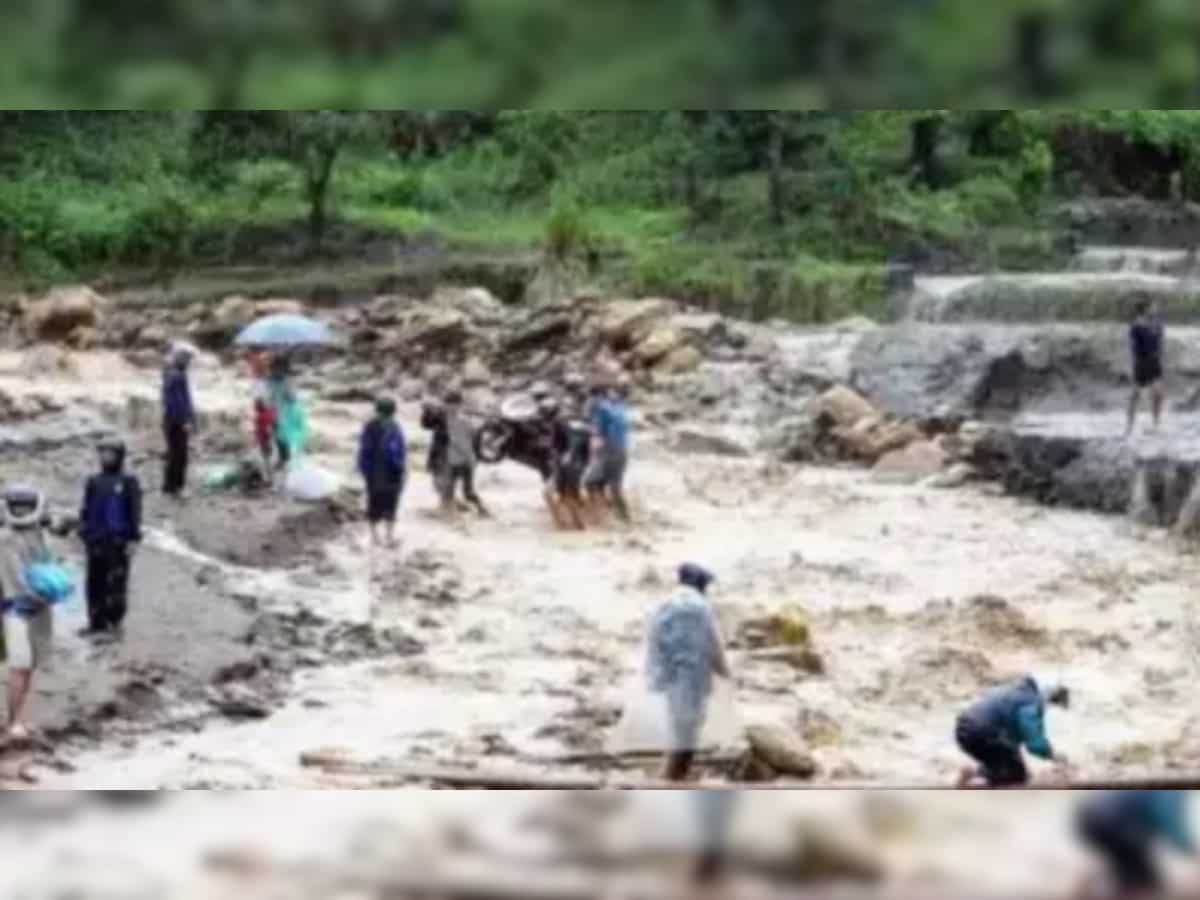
{"points": [[699, 204]]}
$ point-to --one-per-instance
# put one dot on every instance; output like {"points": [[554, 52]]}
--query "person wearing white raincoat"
{"points": [[683, 654]]}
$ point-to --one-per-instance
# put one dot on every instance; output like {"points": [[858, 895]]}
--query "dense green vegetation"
{"points": [[788, 213]]}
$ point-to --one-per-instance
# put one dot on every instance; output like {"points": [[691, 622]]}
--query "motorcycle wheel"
{"points": [[491, 442]]}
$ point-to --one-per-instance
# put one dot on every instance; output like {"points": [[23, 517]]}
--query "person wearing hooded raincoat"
{"points": [[684, 652], [110, 525], [994, 729], [1123, 827]]}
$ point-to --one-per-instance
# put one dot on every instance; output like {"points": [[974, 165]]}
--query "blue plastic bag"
{"points": [[51, 581]]}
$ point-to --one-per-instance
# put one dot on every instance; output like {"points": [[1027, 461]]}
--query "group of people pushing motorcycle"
{"points": [[576, 439]]}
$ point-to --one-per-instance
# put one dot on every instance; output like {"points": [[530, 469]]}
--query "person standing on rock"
{"points": [[605, 479], [110, 525], [994, 729], [382, 462], [28, 618], [452, 453], [1122, 828], [684, 652], [179, 419], [1146, 339]]}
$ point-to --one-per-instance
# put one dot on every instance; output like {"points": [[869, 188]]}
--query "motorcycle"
{"points": [[517, 433]]}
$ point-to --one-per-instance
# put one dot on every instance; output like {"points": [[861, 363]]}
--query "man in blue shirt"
{"points": [[383, 464], [179, 418], [1146, 340], [1123, 827], [993, 730], [605, 479]]}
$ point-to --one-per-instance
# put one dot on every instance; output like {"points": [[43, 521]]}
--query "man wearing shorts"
{"points": [[1146, 339], [28, 620], [382, 462], [995, 728], [605, 479], [1122, 827]]}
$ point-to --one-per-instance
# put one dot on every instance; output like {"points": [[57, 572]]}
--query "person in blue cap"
{"points": [[994, 729], [684, 652], [1123, 827]]}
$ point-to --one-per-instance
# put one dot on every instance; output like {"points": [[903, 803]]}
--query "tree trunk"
{"points": [[776, 194], [318, 178], [925, 134]]}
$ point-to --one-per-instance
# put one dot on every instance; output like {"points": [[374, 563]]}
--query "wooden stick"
{"points": [[529, 781]]}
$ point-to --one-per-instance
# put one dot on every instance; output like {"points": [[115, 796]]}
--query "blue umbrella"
{"points": [[284, 330]]}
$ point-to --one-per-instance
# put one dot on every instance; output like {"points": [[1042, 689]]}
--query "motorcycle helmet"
{"points": [[24, 506]]}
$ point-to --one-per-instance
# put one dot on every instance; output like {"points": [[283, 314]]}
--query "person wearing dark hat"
{"points": [[179, 419], [684, 652], [110, 525], [27, 617], [383, 464]]}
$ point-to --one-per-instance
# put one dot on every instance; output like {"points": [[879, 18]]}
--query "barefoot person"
{"points": [[684, 652], [1146, 338], [382, 462], [995, 728], [452, 453], [110, 525], [605, 479], [28, 618], [1122, 828]]}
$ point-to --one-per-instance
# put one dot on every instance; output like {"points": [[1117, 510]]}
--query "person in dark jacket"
{"points": [[1146, 340], [110, 525], [179, 418], [570, 444], [1122, 827], [995, 728], [382, 462]]}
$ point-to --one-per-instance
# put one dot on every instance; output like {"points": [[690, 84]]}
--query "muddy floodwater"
{"points": [[502, 642]]}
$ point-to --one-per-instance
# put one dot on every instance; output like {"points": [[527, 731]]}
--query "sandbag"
{"points": [[310, 483]]}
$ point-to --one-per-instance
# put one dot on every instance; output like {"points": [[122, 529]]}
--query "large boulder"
{"points": [[871, 438], [658, 343], [62, 312], [625, 323], [680, 361], [841, 407], [436, 328], [782, 751], [278, 306], [917, 461], [477, 303]]}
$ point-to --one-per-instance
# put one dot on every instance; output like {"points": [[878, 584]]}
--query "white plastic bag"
{"points": [[309, 483], [645, 725]]}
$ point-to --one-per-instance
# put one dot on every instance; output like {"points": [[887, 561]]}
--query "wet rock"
{"points": [[279, 307], [782, 751], [659, 341], [477, 303], [917, 461], [475, 373], [842, 407], [625, 323], [796, 440], [680, 361], [873, 437], [62, 311], [436, 328], [542, 327], [701, 328], [955, 476], [802, 659], [690, 439], [240, 701]]}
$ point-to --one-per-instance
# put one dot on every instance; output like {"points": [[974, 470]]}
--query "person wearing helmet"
{"points": [[1122, 828], [685, 651], [110, 525], [452, 453], [605, 478], [382, 462], [179, 418], [28, 618], [993, 730]]}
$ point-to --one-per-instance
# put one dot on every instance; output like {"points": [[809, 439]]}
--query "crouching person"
{"points": [[994, 729], [28, 618], [1122, 828]]}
